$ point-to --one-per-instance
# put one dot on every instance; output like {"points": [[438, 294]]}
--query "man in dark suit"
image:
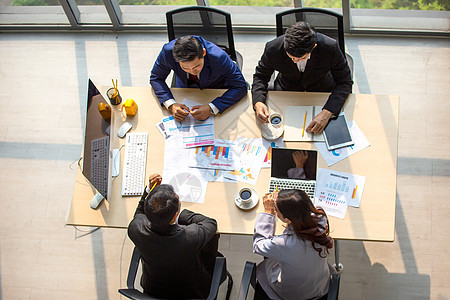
{"points": [[201, 64], [306, 61], [178, 249]]}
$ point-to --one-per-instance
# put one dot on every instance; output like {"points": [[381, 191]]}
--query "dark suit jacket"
{"points": [[219, 72], [171, 266], [326, 71]]}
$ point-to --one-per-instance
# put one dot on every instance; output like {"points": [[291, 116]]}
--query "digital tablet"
{"points": [[337, 134]]}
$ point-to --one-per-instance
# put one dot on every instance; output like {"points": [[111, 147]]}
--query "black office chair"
{"points": [[249, 278], [212, 24], [219, 276], [324, 21]]}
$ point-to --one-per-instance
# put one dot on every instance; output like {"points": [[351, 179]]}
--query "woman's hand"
{"points": [[269, 203]]}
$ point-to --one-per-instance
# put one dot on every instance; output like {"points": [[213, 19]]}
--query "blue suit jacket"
{"points": [[219, 72]]}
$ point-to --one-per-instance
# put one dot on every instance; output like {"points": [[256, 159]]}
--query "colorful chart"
{"points": [[250, 149], [216, 150], [269, 145], [336, 185], [331, 199], [269, 153], [218, 156], [251, 154]]}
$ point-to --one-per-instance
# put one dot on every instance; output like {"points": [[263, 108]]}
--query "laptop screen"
{"points": [[288, 164]]}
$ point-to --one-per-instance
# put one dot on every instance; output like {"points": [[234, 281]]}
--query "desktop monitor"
{"points": [[97, 154]]}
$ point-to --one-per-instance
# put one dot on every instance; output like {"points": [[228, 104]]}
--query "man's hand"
{"points": [[201, 112], [153, 179], [319, 123], [262, 112], [300, 158], [179, 111]]}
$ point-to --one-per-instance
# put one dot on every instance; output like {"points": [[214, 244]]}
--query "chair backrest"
{"points": [[210, 23], [324, 21], [220, 274]]}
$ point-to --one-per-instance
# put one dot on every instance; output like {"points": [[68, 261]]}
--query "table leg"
{"points": [[338, 266]]}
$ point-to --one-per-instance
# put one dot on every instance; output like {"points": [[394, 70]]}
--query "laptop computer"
{"points": [[293, 169]]}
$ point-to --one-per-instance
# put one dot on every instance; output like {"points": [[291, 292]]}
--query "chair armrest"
{"points": [[135, 294], [333, 290], [335, 278], [220, 272], [248, 277], [132, 271]]}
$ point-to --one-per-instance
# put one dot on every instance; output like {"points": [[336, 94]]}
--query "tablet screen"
{"points": [[337, 134]]}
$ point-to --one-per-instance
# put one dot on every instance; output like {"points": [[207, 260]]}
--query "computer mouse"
{"points": [[124, 129], [96, 200]]}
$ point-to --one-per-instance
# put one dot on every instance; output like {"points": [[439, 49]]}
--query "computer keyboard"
{"points": [[285, 184], [99, 164], [133, 179]]}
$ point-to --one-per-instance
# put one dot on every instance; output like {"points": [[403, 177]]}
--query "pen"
{"points": [[304, 123]]}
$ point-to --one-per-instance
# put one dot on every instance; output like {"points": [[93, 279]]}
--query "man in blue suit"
{"points": [[197, 63]]}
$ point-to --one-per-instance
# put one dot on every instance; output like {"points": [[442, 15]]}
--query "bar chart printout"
{"points": [[218, 156], [269, 145], [335, 191]]}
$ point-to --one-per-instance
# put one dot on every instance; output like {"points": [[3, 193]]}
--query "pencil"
{"points": [[154, 186], [304, 123], [276, 188]]}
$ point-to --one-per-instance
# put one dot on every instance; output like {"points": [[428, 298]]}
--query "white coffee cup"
{"points": [[276, 120], [245, 196]]}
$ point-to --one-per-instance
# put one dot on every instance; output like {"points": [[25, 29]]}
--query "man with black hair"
{"points": [[197, 63], [306, 61], [178, 249]]}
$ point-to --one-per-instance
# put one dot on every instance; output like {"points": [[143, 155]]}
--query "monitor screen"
{"points": [[285, 159], [96, 163]]}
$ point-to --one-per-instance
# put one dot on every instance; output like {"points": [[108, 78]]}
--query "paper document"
{"points": [[336, 190], [297, 119], [176, 158], [170, 126], [195, 132], [162, 129], [278, 143], [189, 184], [334, 156], [218, 156], [250, 154]]}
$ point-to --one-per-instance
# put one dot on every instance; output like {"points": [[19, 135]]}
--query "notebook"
{"points": [[287, 173], [295, 118]]}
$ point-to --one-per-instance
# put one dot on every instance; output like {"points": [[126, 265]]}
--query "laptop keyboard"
{"points": [[307, 187]]}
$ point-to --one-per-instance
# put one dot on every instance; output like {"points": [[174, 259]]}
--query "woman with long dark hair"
{"points": [[295, 266]]}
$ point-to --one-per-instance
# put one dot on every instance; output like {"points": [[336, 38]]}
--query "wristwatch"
{"points": [[211, 110]]}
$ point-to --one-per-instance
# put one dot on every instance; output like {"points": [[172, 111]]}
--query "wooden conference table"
{"points": [[376, 115]]}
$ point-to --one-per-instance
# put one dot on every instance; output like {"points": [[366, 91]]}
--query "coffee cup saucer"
{"points": [[269, 132], [251, 204]]}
